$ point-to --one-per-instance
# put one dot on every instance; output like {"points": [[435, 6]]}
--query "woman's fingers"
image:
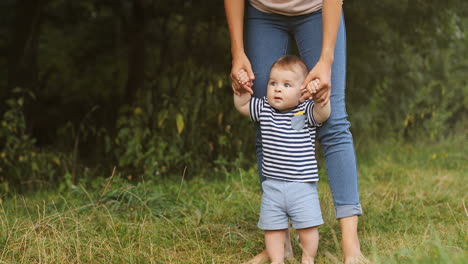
{"points": [[244, 81], [326, 99], [323, 97], [322, 94], [248, 87], [306, 94], [250, 73], [309, 78], [317, 84], [240, 82], [235, 88], [310, 90]]}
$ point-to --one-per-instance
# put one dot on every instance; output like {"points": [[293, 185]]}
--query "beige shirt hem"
{"points": [[286, 9]]}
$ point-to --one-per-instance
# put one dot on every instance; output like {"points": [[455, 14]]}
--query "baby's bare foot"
{"points": [[261, 258], [357, 260]]}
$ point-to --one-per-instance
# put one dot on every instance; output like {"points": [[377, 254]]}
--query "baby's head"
{"points": [[286, 77]]}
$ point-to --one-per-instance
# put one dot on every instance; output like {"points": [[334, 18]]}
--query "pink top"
{"points": [[288, 8]]}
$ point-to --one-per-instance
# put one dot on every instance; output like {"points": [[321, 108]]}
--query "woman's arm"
{"points": [[235, 19], [331, 15]]}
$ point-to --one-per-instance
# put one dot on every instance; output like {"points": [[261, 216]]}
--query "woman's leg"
{"points": [[265, 40], [350, 241], [334, 136]]}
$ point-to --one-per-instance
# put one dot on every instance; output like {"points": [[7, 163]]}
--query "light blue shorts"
{"points": [[284, 199]]}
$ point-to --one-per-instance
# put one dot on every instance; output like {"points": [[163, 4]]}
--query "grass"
{"points": [[413, 195]]}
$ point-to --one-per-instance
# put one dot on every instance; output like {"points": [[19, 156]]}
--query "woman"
{"points": [[261, 31]]}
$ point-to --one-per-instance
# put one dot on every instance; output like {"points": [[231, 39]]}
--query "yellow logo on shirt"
{"points": [[299, 113]]}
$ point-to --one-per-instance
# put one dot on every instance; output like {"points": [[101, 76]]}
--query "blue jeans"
{"points": [[268, 37]]}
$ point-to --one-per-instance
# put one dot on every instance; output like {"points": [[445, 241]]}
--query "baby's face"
{"points": [[283, 91]]}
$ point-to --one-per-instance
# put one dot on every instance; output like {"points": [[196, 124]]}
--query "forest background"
{"points": [[143, 85], [119, 142]]}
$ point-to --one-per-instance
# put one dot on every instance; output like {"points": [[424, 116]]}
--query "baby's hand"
{"points": [[243, 78], [310, 90]]}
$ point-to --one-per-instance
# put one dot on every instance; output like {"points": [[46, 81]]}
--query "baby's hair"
{"points": [[289, 62]]}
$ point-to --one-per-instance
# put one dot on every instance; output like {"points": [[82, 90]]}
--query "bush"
{"points": [[23, 165], [182, 134]]}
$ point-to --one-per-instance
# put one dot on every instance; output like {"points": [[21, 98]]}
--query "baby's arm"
{"points": [[241, 102], [321, 113]]}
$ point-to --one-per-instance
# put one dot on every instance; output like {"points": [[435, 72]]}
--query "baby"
{"points": [[288, 129]]}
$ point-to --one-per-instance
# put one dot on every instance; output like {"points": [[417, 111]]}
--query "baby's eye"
{"points": [[273, 83], [287, 85]]}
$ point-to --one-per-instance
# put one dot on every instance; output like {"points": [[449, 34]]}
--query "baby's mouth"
{"points": [[277, 98]]}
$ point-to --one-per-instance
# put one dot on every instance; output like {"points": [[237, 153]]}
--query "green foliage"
{"points": [[182, 134], [405, 78], [22, 163], [140, 151]]}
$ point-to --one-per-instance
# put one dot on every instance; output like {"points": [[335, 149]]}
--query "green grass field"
{"points": [[413, 196]]}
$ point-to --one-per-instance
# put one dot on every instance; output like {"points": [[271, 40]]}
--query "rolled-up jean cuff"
{"points": [[343, 211]]}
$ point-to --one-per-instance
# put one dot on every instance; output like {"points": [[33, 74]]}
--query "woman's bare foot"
{"points": [[350, 241]]}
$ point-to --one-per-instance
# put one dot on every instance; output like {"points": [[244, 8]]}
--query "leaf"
{"points": [[162, 116], [222, 140], [180, 123], [56, 160], [34, 166], [137, 111]]}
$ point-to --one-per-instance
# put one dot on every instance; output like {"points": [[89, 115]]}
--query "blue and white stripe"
{"points": [[288, 154]]}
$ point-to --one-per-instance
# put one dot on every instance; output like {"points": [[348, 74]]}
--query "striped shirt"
{"points": [[288, 141]]}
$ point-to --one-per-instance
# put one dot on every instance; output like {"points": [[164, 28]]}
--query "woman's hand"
{"points": [[241, 64], [319, 93]]}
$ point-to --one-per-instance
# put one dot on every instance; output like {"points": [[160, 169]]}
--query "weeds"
{"points": [[414, 212]]}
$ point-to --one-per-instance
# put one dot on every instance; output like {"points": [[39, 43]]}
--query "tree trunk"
{"points": [[136, 51], [22, 60]]}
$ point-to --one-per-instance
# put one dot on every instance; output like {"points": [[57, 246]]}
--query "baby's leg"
{"points": [[309, 242], [274, 242]]}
